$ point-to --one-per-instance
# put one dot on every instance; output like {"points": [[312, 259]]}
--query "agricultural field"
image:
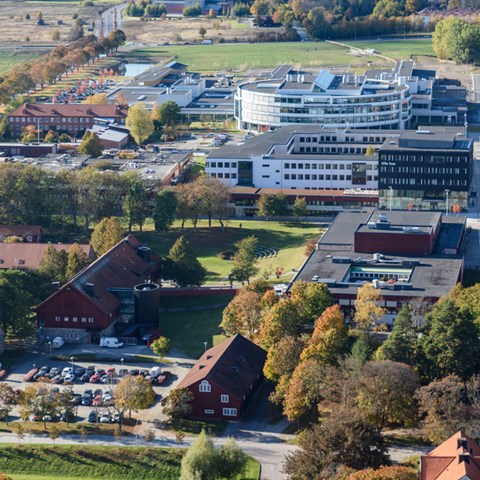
{"points": [[41, 462], [179, 30], [208, 58], [9, 59], [16, 28]]}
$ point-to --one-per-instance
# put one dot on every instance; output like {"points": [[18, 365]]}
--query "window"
{"points": [[209, 412], [75, 319], [66, 319], [57, 319], [224, 398], [84, 319], [90, 320], [230, 412], [204, 387]]}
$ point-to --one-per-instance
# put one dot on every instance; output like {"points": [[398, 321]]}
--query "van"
{"points": [[58, 342], [110, 342], [155, 371]]}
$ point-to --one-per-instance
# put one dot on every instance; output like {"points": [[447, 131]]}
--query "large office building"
{"points": [[380, 99], [405, 255], [426, 169]]}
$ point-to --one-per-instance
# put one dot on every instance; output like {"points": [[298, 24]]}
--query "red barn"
{"points": [[91, 303], [225, 378]]}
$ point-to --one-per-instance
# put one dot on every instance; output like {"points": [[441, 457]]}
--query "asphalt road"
{"points": [[111, 20]]}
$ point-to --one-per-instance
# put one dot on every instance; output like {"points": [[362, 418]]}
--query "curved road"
{"points": [[111, 20]]}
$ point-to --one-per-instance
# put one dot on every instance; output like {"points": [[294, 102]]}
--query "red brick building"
{"points": [[457, 458], [72, 118], [225, 378], [91, 303]]}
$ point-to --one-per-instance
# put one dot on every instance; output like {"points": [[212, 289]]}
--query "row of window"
{"points": [[74, 319], [307, 176], [424, 158], [227, 412], [223, 175], [52, 119], [326, 166], [424, 170], [222, 164], [425, 181]]}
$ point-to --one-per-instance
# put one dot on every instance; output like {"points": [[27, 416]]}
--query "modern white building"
{"points": [[302, 157], [299, 97]]}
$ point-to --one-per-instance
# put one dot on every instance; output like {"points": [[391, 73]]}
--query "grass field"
{"points": [[288, 239], [267, 55], [41, 462], [9, 59]]}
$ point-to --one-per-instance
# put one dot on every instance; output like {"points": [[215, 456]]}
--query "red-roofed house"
{"points": [[64, 117], [92, 302], [28, 233], [225, 378], [29, 255], [457, 458]]}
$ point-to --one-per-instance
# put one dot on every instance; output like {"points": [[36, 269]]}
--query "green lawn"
{"points": [[42, 462], [268, 55], [288, 239], [188, 330], [9, 59]]}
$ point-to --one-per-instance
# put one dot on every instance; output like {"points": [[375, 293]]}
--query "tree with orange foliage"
{"points": [[329, 339], [385, 473], [457, 208]]}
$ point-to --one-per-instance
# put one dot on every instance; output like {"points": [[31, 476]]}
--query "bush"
{"points": [[193, 11]]}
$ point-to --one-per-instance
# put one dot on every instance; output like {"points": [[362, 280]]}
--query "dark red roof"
{"points": [[120, 267], [20, 230], [234, 365], [69, 110]]}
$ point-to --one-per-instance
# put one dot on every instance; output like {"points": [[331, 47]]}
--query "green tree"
{"points": [[193, 11], [311, 299], [140, 123], [282, 320], [231, 460], [164, 210], [201, 461], [160, 346], [54, 264], [243, 314], [450, 343], [186, 269], [299, 208], [135, 203], [401, 343], [106, 234], [170, 113], [244, 261], [90, 144], [77, 260], [178, 403], [273, 205], [361, 350], [202, 32]]}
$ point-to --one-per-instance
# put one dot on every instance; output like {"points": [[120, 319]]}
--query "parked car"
{"points": [[29, 376], [79, 371], [92, 416], [67, 416], [69, 378], [58, 379], [54, 371], [100, 371], [67, 371], [87, 399], [90, 369], [105, 418], [58, 342], [161, 379], [151, 335], [134, 371], [123, 372], [97, 401], [98, 391], [115, 418], [95, 378], [110, 342], [77, 399]]}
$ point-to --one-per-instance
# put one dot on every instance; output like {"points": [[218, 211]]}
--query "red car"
{"points": [[161, 379], [95, 378]]}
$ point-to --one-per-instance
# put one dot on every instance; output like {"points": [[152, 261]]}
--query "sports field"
{"points": [[268, 55]]}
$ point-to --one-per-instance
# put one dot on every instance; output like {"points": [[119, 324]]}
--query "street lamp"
{"points": [[447, 191], [205, 344], [122, 360], [50, 345], [391, 197], [71, 361]]}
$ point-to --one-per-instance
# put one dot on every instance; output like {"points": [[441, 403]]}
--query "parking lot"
{"points": [[114, 370]]}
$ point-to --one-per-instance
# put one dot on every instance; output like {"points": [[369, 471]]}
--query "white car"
{"points": [[69, 378], [105, 418], [67, 371]]}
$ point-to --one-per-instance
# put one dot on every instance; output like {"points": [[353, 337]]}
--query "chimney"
{"points": [[464, 457], [55, 286], [90, 289], [462, 443]]}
